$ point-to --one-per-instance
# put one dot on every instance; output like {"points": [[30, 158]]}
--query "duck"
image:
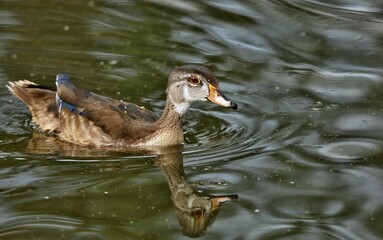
{"points": [[85, 118]]}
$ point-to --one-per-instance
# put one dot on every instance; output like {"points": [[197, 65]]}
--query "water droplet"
{"points": [[113, 62], [91, 4]]}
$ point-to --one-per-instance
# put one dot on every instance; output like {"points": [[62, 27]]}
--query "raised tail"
{"points": [[41, 102], [19, 90]]}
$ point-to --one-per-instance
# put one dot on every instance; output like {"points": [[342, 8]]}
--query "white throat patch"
{"points": [[181, 108], [186, 94]]}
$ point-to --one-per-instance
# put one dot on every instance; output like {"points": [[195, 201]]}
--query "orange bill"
{"points": [[217, 201], [217, 97]]}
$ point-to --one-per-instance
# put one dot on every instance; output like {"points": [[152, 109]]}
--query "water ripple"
{"points": [[31, 225]]}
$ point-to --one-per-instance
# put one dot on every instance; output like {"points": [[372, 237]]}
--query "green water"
{"points": [[303, 152]]}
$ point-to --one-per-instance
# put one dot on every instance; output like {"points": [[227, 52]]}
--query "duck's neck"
{"points": [[172, 165], [173, 114], [170, 125]]}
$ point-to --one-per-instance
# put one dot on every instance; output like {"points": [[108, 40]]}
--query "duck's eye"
{"points": [[197, 214], [194, 80]]}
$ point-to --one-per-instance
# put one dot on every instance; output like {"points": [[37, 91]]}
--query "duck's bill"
{"points": [[217, 201], [216, 96]]}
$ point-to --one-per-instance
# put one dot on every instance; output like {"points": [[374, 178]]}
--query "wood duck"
{"points": [[85, 118]]}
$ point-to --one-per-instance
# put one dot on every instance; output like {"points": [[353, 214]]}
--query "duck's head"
{"points": [[191, 83], [196, 213]]}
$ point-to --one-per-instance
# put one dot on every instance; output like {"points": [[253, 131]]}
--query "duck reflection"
{"points": [[194, 211], [41, 143]]}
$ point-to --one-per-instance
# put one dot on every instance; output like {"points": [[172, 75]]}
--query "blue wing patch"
{"points": [[66, 105], [64, 79]]}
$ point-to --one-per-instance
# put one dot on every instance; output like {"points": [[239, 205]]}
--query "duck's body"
{"points": [[85, 118]]}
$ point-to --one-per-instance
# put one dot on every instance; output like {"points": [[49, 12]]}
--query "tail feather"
{"points": [[19, 90], [41, 102]]}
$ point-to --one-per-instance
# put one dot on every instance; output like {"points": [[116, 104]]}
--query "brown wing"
{"points": [[132, 110], [119, 120]]}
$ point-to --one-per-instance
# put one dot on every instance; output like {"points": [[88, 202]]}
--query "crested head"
{"points": [[188, 70], [191, 83]]}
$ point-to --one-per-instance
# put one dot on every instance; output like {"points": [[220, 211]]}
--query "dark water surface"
{"points": [[303, 152]]}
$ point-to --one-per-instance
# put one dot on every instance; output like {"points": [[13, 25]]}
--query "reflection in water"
{"points": [[194, 211], [41, 143]]}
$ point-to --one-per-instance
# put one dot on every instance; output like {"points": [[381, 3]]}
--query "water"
{"points": [[303, 152]]}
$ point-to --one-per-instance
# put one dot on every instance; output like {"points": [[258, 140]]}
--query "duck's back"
{"points": [[83, 117]]}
